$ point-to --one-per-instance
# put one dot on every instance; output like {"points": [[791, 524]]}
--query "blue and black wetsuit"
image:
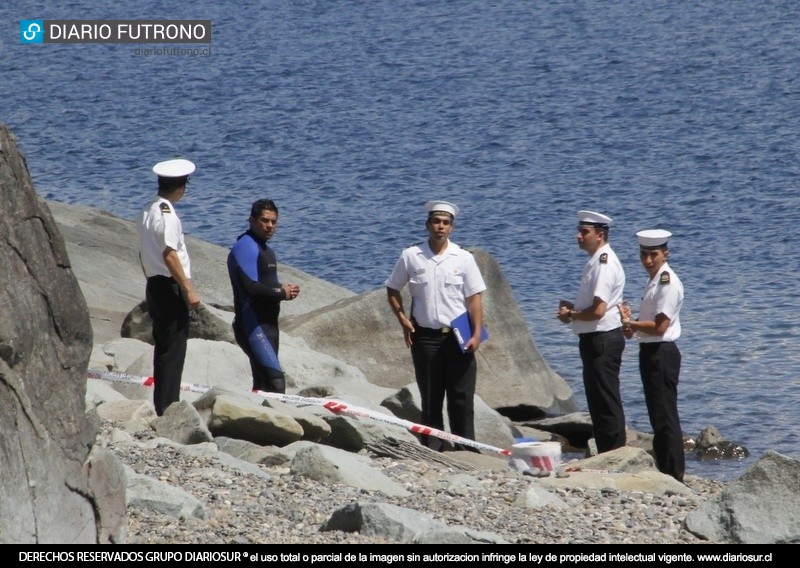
{"points": [[257, 296]]}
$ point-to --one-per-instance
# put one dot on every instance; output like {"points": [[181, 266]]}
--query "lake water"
{"points": [[351, 115]]}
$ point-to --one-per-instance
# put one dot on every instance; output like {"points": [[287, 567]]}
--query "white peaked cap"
{"points": [[445, 206], [653, 237], [174, 168], [593, 218]]}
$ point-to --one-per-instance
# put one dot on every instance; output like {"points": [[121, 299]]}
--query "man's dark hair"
{"points": [[262, 205], [170, 184]]}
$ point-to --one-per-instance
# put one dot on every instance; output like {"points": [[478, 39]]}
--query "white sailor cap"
{"points": [[653, 238], [174, 168], [443, 206], [593, 218]]}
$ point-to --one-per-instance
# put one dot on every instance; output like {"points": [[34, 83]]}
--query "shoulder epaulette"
{"points": [[165, 208], [604, 258], [664, 278]]}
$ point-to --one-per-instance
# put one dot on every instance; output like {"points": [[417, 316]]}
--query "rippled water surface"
{"points": [[352, 114]]}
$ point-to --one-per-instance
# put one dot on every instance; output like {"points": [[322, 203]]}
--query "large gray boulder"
{"points": [[512, 374], [761, 507], [332, 465], [208, 322], [384, 520], [105, 251], [56, 486]]}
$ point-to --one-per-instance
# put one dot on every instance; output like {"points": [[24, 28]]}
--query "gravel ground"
{"points": [[289, 509]]}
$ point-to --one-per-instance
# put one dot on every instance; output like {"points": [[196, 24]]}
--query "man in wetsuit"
{"points": [[257, 297]]}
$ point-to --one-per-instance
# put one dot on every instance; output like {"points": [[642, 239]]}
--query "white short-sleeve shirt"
{"points": [[603, 277], [159, 228], [439, 285], [663, 294]]}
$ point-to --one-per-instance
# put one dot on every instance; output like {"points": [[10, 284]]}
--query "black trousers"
{"points": [[441, 369], [170, 316], [601, 354], [660, 367], [264, 378]]}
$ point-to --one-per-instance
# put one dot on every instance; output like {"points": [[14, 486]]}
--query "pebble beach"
{"points": [[290, 509]]}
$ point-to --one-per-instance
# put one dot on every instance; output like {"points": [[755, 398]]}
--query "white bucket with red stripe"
{"points": [[542, 456]]}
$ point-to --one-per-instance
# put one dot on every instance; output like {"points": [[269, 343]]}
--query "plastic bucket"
{"points": [[542, 456]]}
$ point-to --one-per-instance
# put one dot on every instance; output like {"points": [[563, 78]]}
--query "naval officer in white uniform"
{"points": [[595, 319], [657, 328], [169, 291], [444, 282]]}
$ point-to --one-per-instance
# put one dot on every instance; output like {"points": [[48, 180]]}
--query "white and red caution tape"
{"points": [[133, 379], [342, 408], [334, 406]]}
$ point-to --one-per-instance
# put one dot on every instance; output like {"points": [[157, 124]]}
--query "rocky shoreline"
{"points": [[86, 461], [284, 508], [456, 497]]}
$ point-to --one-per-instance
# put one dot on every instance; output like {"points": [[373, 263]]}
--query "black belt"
{"points": [[160, 277], [593, 333], [432, 332], [653, 344], [590, 334]]}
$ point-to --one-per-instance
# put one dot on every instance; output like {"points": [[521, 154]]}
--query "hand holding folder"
{"points": [[462, 328]]}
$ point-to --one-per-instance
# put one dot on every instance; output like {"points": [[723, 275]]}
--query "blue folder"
{"points": [[462, 328]]}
